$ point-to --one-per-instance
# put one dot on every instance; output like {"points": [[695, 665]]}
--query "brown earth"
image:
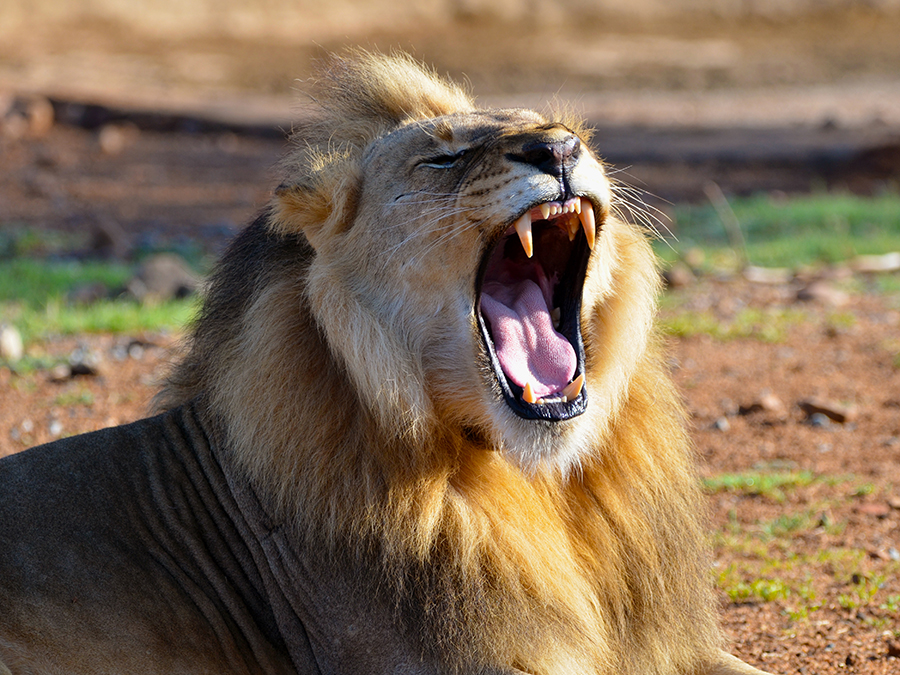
{"points": [[809, 573]]}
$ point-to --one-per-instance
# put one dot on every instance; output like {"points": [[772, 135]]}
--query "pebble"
{"points": [[60, 373], [835, 412], [888, 262], [767, 402], [824, 293], [768, 275], [876, 509], [819, 420], [11, 347], [56, 428], [114, 138], [679, 275], [721, 424], [162, 277]]}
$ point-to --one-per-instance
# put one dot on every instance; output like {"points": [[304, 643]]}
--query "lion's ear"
{"points": [[319, 200]]}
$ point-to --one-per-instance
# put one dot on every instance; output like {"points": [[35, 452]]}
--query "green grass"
{"points": [[773, 485], [33, 296], [768, 325], [789, 232]]}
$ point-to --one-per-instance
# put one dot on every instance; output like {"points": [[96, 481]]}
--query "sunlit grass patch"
{"points": [[772, 485], [33, 298], [788, 231], [767, 325]]}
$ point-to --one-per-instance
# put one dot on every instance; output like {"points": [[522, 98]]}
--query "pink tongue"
{"points": [[528, 347]]}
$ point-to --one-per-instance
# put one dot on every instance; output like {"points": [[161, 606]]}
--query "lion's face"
{"points": [[478, 245]]}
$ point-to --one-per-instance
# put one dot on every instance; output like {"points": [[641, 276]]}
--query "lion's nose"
{"points": [[553, 156]]}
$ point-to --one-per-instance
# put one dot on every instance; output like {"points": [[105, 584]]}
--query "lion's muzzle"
{"points": [[529, 301]]}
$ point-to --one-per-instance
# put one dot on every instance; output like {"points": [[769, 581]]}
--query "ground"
{"points": [[804, 511]]}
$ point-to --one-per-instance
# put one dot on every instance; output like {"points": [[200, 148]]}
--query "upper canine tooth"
{"points": [[523, 229], [545, 211], [588, 221], [573, 388]]}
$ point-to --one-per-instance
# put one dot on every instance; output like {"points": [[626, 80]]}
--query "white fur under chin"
{"points": [[536, 446]]}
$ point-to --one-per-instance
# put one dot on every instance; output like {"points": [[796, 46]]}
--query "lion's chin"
{"points": [[529, 292], [538, 446]]}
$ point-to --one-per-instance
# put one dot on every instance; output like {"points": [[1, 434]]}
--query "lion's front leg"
{"points": [[726, 664]]}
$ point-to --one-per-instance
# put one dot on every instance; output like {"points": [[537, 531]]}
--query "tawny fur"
{"points": [[373, 429]]}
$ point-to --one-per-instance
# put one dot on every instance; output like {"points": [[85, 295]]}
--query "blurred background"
{"points": [[793, 95], [133, 126]]}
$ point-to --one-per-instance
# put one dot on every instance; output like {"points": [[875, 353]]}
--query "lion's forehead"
{"points": [[464, 129]]}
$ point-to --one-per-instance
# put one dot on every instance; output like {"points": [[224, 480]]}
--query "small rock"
{"points": [[833, 411], [824, 293], [876, 509], [893, 554], [679, 275], [33, 115], [84, 362], [163, 277], [767, 402], [114, 138], [56, 428], [721, 424], [894, 503], [889, 262], [768, 275], [11, 348], [819, 420], [60, 373]]}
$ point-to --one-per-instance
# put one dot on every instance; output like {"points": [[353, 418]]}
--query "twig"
{"points": [[729, 220]]}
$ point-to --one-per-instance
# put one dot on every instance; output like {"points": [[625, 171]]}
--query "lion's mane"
{"points": [[595, 565]]}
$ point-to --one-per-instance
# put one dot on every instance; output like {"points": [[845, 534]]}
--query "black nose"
{"points": [[554, 157]]}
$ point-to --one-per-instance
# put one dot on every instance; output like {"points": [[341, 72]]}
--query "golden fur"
{"points": [[339, 349]]}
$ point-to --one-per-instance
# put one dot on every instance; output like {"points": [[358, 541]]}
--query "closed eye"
{"points": [[443, 161]]}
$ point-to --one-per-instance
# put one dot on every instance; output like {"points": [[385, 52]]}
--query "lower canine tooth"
{"points": [[573, 388], [528, 395], [523, 229]]}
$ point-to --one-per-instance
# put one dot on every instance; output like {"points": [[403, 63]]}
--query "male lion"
{"points": [[421, 428]]}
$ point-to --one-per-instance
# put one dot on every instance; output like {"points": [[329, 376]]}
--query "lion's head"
{"points": [[433, 345], [474, 260]]}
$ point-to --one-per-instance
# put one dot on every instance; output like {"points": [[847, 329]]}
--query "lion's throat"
{"points": [[527, 345]]}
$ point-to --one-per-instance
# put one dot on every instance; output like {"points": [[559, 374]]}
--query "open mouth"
{"points": [[529, 309]]}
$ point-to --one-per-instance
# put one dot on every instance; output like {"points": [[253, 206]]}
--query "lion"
{"points": [[421, 425]]}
